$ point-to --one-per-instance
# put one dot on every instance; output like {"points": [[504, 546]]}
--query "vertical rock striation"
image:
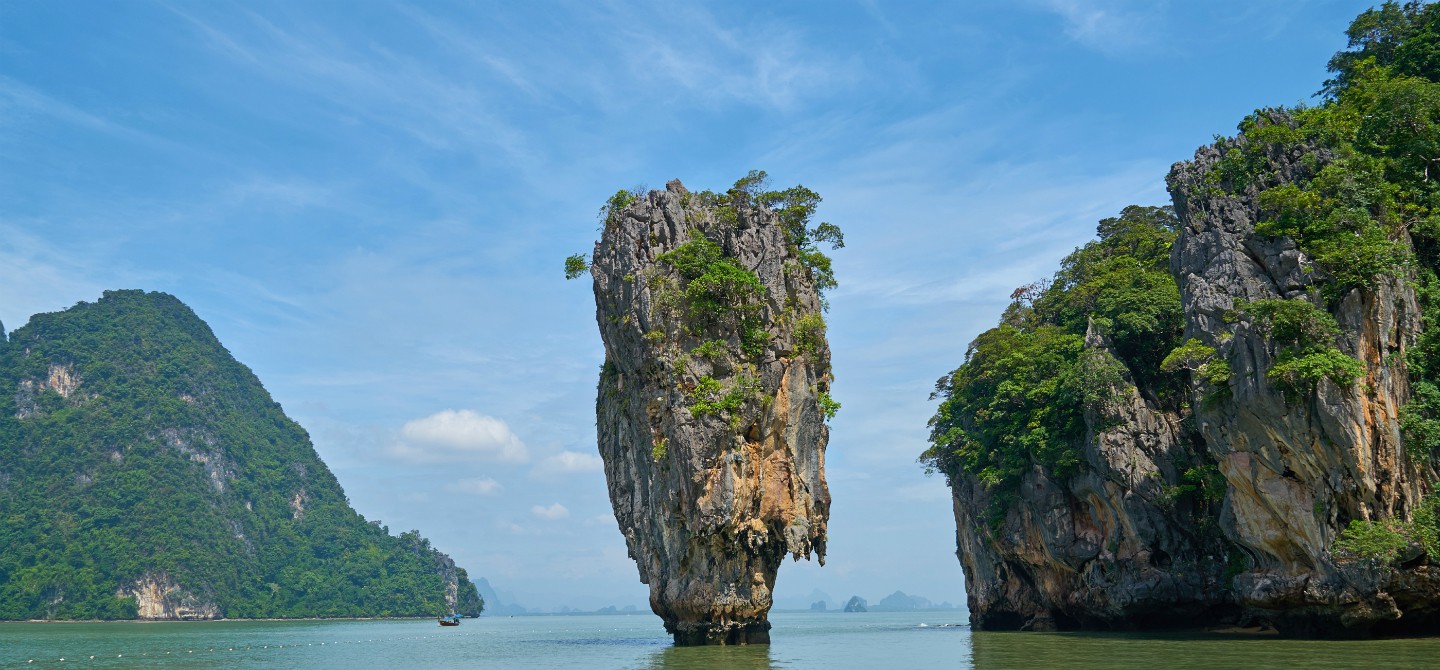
{"points": [[1299, 468], [709, 406]]}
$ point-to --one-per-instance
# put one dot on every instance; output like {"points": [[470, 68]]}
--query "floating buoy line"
{"points": [[158, 655]]}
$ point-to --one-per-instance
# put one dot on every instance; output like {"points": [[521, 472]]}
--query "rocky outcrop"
{"points": [[1297, 469], [461, 596], [1127, 543], [710, 423], [61, 379], [158, 597], [1225, 509]]}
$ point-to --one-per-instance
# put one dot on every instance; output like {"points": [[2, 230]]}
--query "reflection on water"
{"points": [[750, 657], [1181, 651]]}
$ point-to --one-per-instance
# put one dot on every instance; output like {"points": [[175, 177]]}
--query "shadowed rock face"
{"points": [[714, 458]]}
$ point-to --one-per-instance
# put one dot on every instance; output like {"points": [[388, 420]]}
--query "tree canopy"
{"points": [[1019, 399]]}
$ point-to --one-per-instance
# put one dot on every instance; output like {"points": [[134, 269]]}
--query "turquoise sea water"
{"points": [[800, 640]]}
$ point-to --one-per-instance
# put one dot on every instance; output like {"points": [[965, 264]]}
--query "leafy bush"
{"points": [[618, 202], [1371, 540], [1019, 398], [715, 286], [1121, 285], [828, 406], [753, 337], [1383, 541], [1199, 359], [1418, 423], [711, 349], [809, 333], [1305, 335], [711, 397], [1425, 525], [576, 265], [1013, 404], [1295, 324], [1299, 372]]}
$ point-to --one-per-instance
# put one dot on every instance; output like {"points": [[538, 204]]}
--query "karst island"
{"points": [[713, 397]]}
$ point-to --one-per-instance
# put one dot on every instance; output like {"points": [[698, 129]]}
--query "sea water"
{"points": [[830, 640]]}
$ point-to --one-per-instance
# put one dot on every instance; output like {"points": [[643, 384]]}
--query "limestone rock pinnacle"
{"points": [[710, 405]]}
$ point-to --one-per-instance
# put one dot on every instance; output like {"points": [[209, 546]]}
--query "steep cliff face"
{"points": [[1233, 499], [1303, 369], [709, 406], [1299, 466], [1127, 543]]}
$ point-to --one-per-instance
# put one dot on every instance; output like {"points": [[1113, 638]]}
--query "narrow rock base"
{"points": [[695, 634]]}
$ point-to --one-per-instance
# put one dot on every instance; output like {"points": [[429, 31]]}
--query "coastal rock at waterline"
{"points": [[1112, 547], [709, 406], [1298, 469], [1222, 503], [158, 597]]}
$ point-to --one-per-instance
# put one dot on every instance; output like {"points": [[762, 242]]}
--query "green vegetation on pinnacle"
{"points": [[718, 301], [133, 446], [795, 206]]}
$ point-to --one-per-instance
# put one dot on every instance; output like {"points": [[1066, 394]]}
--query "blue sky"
{"points": [[370, 202]]}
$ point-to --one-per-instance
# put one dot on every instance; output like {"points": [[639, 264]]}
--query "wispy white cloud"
{"points": [[712, 59], [384, 87], [458, 435], [553, 512], [568, 462], [478, 486], [280, 193], [20, 103], [1108, 26]]}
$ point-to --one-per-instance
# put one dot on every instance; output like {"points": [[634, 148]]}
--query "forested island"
{"points": [[1227, 410], [145, 473]]}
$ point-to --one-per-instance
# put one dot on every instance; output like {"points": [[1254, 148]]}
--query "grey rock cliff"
{"points": [[710, 500], [1112, 547], [1297, 469]]}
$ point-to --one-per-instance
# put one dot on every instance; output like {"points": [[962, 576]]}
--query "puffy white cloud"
{"points": [[551, 513], [480, 486], [458, 435], [567, 462]]}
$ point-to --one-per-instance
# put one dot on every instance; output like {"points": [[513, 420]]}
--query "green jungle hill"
{"points": [[145, 473]]}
